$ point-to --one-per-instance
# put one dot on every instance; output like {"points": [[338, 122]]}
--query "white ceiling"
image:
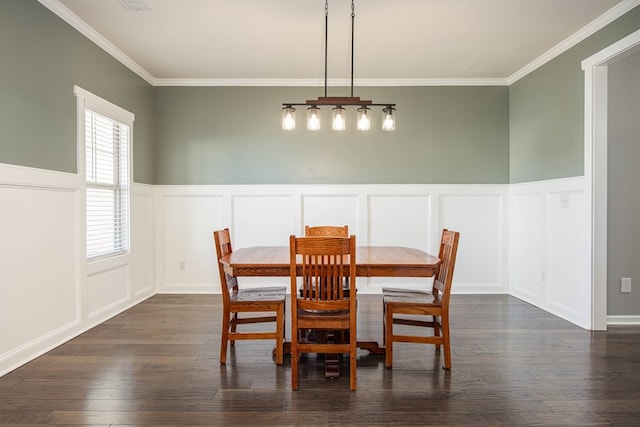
{"points": [[282, 41]]}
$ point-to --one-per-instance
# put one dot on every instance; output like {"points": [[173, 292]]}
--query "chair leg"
{"points": [[384, 324], [388, 358], [224, 337], [436, 330], [352, 366], [279, 334], [294, 360], [234, 325], [446, 342]]}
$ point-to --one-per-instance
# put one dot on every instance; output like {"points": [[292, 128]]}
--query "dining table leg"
{"points": [[331, 360]]}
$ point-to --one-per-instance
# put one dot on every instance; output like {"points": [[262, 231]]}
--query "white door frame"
{"points": [[595, 168]]}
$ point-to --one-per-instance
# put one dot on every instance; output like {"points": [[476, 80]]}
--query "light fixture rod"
{"points": [[353, 16], [326, 42], [343, 104], [336, 100]]}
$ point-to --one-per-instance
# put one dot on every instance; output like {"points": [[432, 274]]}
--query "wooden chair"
{"points": [[326, 231], [331, 360], [325, 263], [416, 302], [256, 300]]}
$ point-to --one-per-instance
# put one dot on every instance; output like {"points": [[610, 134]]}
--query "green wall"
{"points": [[546, 109], [530, 131], [42, 57], [232, 135]]}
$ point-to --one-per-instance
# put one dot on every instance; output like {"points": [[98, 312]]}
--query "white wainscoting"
{"points": [[38, 262], [143, 242], [549, 248], [49, 293], [524, 239], [403, 215]]}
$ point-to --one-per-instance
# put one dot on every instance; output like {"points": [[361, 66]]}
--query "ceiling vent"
{"points": [[135, 5]]}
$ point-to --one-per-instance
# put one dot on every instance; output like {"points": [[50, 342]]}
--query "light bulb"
{"points": [[388, 120], [313, 118], [338, 119], [288, 118], [364, 123]]}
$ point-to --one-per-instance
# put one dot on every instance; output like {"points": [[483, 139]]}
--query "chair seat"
{"points": [[321, 314], [327, 320], [260, 294], [395, 295]]}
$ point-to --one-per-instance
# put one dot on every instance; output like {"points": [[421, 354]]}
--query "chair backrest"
{"points": [[447, 254], [326, 231], [320, 265], [228, 282]]}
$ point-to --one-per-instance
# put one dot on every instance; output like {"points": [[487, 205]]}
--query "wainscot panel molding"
{"points": [[49, 292], [548, 247], [263, 215]]}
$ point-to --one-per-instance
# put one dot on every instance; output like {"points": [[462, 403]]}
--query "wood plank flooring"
{"points": [[157, 364]]}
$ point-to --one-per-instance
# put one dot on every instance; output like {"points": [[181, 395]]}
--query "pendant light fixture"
{"points": [[338, 112]]}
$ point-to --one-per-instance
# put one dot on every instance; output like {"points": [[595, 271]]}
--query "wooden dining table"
{"points": [[371, 261]]}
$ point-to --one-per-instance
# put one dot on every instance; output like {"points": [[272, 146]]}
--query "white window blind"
{"points": [[107, 169]]}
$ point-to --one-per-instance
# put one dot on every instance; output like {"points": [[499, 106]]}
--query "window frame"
{"points": [[89, 101]]}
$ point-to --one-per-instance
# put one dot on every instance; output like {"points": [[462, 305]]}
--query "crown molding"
{"points": [[597, 24], [84, 29], [586, 31], [331, 82]]}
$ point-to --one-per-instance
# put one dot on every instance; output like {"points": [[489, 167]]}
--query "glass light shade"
{"points": [[364, 120], [338, 121], [313, 118], [288, 118], [388, 118]]}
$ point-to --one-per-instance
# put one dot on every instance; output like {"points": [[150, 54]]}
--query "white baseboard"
{"points": [[623, 320]]}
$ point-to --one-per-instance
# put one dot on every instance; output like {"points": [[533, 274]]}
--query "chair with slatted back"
{"points": [[326, 231], [320, 265], [423, 303], [266, 300]]}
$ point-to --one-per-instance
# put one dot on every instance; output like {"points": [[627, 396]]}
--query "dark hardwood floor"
{"points": [[157, 364]]}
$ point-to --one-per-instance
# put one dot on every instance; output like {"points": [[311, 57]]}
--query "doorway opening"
{"points": [[595, 167]]}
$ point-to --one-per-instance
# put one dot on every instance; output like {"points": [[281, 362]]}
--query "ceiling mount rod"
{"points": [[326, 42], [353, 16]]}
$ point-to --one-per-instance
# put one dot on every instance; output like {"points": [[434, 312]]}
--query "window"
{"points": [[106, 129], [107, 185]]}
